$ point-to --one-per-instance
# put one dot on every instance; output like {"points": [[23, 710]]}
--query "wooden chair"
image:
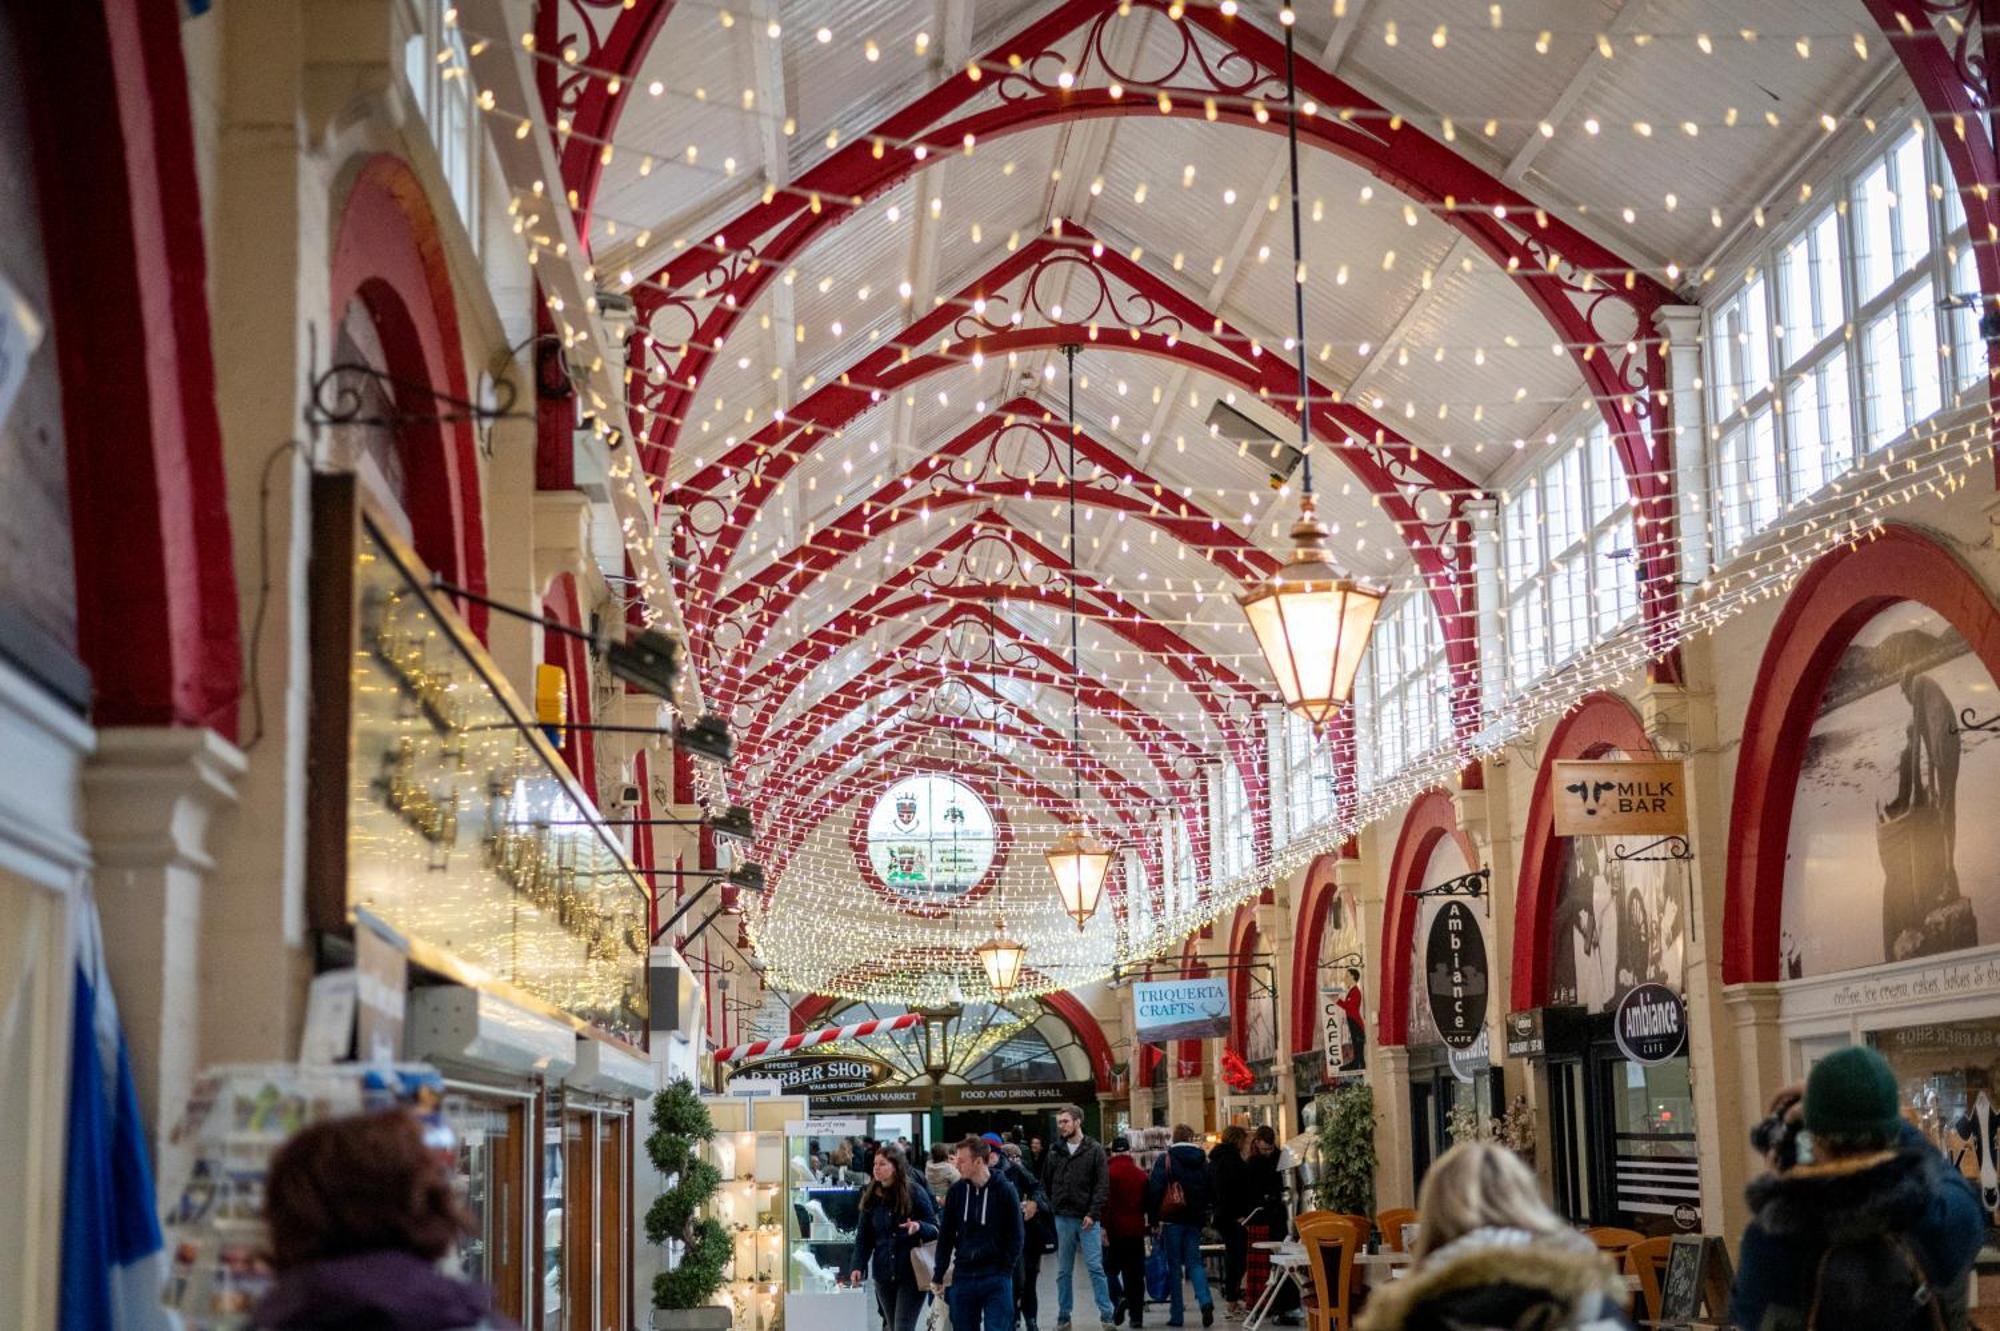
{"points": [[1612, 1241], [1330, 1241], [1390, 1224], [1647, 1259]]}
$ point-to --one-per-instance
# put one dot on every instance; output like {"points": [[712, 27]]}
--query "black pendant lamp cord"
{"points": [[1298, 264], [1075, 666]]}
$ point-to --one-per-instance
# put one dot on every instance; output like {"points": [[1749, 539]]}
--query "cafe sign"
{"points": [[817, 1074], [1455, 975], [1620, 797], [1650, 1024]]}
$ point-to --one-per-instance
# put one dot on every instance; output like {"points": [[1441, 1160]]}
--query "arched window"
{"points": [[1018, 1041]]}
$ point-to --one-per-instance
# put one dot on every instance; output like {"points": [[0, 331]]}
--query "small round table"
{"points": [[1288, 1262]]}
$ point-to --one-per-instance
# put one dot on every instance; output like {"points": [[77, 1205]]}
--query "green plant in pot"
{"points": [[1346, 1181], [697, 1246]]}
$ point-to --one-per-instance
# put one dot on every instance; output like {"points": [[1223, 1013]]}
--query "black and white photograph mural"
{"points": [[1880, 865], [1618, 923]]}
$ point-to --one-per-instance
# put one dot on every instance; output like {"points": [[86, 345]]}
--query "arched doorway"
{"points": [[1856, 843], [393, 312]]}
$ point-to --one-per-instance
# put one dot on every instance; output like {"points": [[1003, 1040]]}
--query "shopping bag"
{"points": [[923, 1261], [1159, 1276]]}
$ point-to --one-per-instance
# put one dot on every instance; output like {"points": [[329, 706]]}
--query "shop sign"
{"points": [[1650, 1024], [831, 1125], [1180, 1009], [756, 1088], [1019, 1093], [1455, 975], [819, 1074], [1334, 1028], [1620, 797], [888, 1099], [1525, 1036]]}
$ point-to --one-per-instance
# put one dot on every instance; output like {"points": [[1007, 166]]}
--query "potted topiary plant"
{"points": [[698, 1247], [1346, 1180]]}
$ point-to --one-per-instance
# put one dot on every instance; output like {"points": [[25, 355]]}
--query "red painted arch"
{"points": [[1835, 598], [579, 746], [1316, 897], [120, 199], [1244, 941], [389, 255], [1432, 818], [1599, 723]]}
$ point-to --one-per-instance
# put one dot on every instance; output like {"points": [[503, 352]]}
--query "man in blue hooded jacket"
{"points": [[1871, 1228], [979, 1240]]}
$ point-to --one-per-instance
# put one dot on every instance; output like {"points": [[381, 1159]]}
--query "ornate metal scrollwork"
{"points": [[339, 398], [1670, 848]]}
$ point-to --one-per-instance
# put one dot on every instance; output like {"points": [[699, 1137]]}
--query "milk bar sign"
{"points": [[1620, 797]]}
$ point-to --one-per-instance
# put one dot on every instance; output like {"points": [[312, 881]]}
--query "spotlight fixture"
{"points": [[733, 823], [647, 661], [749, 875], [707, 738]]}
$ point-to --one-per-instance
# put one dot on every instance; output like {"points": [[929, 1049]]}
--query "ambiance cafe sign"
{"points": [[1620, 797], [1180, 1009]]}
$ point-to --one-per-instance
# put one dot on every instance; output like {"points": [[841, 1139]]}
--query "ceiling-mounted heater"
{"points": [[1280, 459]]}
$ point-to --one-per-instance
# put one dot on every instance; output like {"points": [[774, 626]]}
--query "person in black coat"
{"points": [[1038, 1235], [1229, 1173], [1179, 1199], [897, 1215]]}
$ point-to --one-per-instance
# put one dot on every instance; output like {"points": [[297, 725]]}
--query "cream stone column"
{"points": [[268, 275], [1751, 1011], [511, 513], [1682, 721], [151, 797], [1680, 327], [1389, 1075], [1274, 926]]}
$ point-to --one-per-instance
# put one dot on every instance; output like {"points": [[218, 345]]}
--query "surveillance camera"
{"points": [[630, 796]]}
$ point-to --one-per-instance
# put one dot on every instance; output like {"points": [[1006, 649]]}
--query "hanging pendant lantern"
{"points": [[1080, 866], [1002, 957], [1078, 863], [1312, 624]]}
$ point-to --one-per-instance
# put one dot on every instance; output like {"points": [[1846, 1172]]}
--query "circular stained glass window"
{"points": [[930, 836]]}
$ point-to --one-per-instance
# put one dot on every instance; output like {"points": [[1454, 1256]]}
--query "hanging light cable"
{"points": [[1311, 622], [1078, 862]]}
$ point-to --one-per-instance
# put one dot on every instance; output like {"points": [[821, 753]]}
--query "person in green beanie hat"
{"points": [[1870, 1228]]}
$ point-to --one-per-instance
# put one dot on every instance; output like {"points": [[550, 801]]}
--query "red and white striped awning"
{"points": [[824, 1035]]}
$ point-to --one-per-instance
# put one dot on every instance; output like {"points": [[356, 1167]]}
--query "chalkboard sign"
{"points": [[1697, 1272]]}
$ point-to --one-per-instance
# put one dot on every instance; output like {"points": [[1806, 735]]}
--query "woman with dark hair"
{"points": [[361, 1212], [897, 1216]]}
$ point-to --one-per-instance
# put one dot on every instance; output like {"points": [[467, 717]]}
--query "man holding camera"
{"points": [[1861, 1222]]}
